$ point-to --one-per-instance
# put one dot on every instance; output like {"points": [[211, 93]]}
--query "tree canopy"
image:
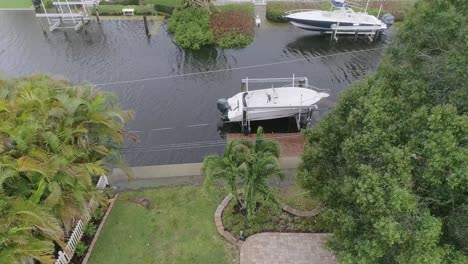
{"points": [[55, 139], [390, 162]]}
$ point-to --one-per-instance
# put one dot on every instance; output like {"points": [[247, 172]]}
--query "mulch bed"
{"points": [[231, 22]]}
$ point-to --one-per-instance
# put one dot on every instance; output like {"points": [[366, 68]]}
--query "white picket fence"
{"points": [[65, 256]]}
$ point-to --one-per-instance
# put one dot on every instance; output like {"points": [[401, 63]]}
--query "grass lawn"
{"points": [[15, 3], [178, 228]]}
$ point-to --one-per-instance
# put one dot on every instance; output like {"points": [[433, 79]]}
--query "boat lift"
{"points": [[310, 110], [69, 14]]}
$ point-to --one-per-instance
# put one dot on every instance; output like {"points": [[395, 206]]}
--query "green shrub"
{"points": [[164, 9], [90, 229], [233, 40], [81, 248], [191, 28], [99, 213], [116, 10]]}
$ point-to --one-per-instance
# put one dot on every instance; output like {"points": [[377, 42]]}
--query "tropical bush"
{"points": [[389, 164], [90, 229], [116, 10], [250, 165], [54, 139], [81, 248], [191, 28], [233, 25]]}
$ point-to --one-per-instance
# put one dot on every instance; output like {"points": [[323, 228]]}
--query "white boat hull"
{"points": [[272, 103]]}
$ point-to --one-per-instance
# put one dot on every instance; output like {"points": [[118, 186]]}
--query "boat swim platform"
{"points": [[292, 144]]}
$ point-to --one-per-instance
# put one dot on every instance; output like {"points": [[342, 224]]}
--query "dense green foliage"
{"points": [[269, 218], [390, 163], [116, 10], [199, 24], [54, 140], [191, 28], [233, 25], [249, 165]]}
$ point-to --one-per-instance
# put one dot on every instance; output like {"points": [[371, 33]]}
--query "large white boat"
{"points": [[269, 103], [342, 16]]}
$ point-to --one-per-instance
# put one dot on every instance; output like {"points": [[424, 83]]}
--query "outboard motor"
{"points": [[223, 107], [388, 19]]}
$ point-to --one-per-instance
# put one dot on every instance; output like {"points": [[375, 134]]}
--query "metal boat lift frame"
{"points": [[312, 110], [66, 17]]}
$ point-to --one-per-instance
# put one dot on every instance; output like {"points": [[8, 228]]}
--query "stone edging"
{"points": [[219, 223], [98, 231], [289, 209], [237, 242]]}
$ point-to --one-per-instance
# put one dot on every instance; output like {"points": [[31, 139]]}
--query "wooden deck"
{"points": [[292, 144]]}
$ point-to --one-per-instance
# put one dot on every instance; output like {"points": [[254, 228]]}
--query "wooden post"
{"points": [[84, 26], [97, 14], [146, 26], [42, 26], [242, 87]]}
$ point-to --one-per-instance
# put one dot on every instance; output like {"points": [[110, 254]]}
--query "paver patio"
{"points": [[297, 248]]}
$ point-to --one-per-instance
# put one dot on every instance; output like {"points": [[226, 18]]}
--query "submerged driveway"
{"points": [[297, 248]]}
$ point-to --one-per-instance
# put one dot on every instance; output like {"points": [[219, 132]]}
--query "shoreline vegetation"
{"points": [[229, 26]]}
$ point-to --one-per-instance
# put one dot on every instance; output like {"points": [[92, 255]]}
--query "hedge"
{"points": [[191, 28], [164, 9], [116, 10]]}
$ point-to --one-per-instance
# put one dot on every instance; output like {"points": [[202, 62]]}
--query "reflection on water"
{"points": [[177, 110]]}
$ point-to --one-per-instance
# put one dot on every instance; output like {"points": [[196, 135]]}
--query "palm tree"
{"points": [[226, 167], [27, 232], [261, 164], [54, 140], [249, 165]]}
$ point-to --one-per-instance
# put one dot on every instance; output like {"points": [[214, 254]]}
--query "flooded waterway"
{"points": [[176, 115]]}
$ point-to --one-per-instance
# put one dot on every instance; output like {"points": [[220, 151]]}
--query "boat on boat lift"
{"points": [[271, 103], [341, 15]]}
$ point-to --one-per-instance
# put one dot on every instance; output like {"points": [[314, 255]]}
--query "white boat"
{"points": [[269, 103], [343, 16]]}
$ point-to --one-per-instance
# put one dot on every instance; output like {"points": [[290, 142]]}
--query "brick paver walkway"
{"points": [[294, 248]]}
